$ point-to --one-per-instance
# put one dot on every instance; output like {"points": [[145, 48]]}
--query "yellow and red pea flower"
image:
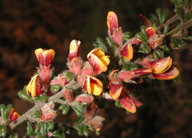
{"points": [[13, 115], [127, 103], [127, 51], [98, 60], [60, 79], [67, 94], [93, 86], [155, 39], [116, 87], [114, 30], [75, 62], [112, 22], [172, 73], [47, 112], [161, 65], [150, 31], [45, 56], [34, 86], [116, 83], [161, 68], [84, 98], [144, 20], [73, 49]]}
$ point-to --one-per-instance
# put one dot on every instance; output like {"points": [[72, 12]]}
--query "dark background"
{"points": [[29, 24]]}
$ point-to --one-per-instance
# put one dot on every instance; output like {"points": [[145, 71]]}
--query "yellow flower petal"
{"points": [[168, 75], [98, 52], [115, 93], [31, 87], [127, 51], [45, 56], [162, 65], [98, 60], [74, 45], [105, 60], [96, 89], [88, 85], [93, 85]]}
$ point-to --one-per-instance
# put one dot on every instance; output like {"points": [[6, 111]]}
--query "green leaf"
{"points": [[118, 104], [126, 36], [129, 66], [177, 80], [111, 44], [166, 29], [64, 108], [82, 130], [43, 130], [50, 126], [162, 15], [42, 98], [153, 18], [188, 15], [55, 88], [2, 109], [100, 44], [144, 48], [37, 129], [164, 48], [36, 113], [180, 11], [3, 131], [30, 130], [7, 110], [80, 119], [176, 2], [58, 134], [67, 131], [158, 54], [77, 108], [177, 43], [142, 36], [23, 95], [69, 75], [187, 38], [13, 135]]}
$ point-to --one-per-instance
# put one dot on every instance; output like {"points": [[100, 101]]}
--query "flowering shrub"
{"points": [[112, 72]]}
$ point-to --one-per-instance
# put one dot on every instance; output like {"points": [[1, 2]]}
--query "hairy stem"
{"points": [[184, 25], [72, 85]]}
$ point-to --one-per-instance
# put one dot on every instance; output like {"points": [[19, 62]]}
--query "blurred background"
{"points": [[29, 24]]}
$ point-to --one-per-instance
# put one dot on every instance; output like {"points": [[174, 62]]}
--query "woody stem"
{"points": [[72, 85]]}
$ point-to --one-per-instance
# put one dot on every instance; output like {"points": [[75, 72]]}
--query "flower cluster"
{"points": [[162, 68], [7, 114], [82, 86], [156, 68], [39, 82], [85, 71]]}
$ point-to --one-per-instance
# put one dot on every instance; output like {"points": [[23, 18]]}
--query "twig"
{"points": [[172, 19], [169, 21], [72, 85], [184, 25]]}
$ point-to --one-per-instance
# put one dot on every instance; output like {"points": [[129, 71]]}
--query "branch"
{"points": [[173, 19], [169, 21], [184, 25], [72, 85]]}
